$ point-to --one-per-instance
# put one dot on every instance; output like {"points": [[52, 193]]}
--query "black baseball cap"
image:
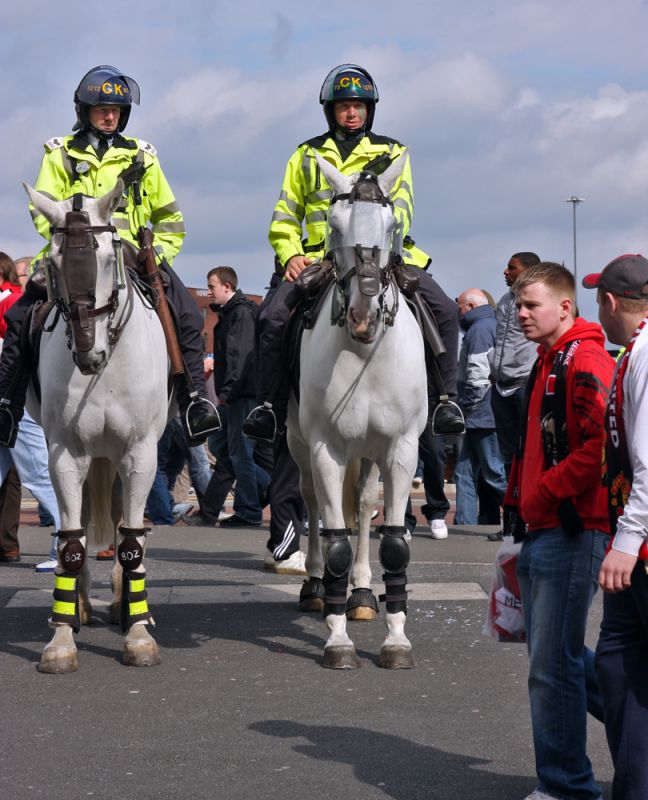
{"points": [[625, 276]]}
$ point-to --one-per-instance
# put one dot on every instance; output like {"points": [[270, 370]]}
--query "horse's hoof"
{"points": [[396, 657], [311, 596], [85, 614], [58, 660], [115, 613], [141, 650], [340, 657], [362, 614]]}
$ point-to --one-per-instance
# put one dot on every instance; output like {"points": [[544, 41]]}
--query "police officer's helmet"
{"points": [[105, 86], [348, 82]]}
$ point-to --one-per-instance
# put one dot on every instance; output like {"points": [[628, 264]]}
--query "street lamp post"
{"points": [[575, 201]]}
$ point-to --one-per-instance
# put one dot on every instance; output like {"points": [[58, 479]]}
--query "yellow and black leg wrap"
{"points": [[394, 555], [65, 609], [134, 607], [130, 554], [337, 565]]}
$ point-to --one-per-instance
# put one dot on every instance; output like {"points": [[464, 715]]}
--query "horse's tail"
{"points": [[349, 499], [98, 490]]}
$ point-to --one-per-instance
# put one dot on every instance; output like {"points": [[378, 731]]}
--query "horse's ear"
{"points": [[50, 209], [336, 180], [393, 172], [109, 202]]}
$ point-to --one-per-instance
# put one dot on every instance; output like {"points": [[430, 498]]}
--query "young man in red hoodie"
{"points": [[556, 502]]}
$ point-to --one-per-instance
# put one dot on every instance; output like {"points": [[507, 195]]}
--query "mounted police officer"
{"points": [[90, 162], [349, 96]]}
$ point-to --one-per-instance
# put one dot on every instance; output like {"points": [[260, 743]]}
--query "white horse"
{"points": [[363, 401], [103, 376]]}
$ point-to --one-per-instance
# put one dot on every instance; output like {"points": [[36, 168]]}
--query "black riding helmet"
{"points": [[348, 82], [105, 86]]}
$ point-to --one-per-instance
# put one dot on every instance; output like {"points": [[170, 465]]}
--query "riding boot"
{"points": [[264, 422], [198, 414], [15, 371]]}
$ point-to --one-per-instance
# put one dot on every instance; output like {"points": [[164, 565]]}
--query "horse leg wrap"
{"points": [[337, 565], [65, 608], [72, 550], [130, 551], [134, 607], [394, 554]]}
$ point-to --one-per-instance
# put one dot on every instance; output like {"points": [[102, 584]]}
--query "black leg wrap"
{"points": [[339, 557], [130, 553], [65, 608], [395, 596], [134, 607], [72, 555], [394, 552]]}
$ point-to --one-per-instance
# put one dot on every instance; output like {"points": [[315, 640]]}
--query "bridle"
{"points": [[73, 284], [373, 280]]}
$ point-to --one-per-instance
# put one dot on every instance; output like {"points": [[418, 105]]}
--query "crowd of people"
{"points": [[527, 405]]}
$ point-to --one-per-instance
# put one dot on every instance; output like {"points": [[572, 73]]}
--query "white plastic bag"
{"points": [[505, 620]]}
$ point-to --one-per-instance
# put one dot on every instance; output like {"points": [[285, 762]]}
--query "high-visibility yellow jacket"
{"points": [[70, 166], [305, 195]]}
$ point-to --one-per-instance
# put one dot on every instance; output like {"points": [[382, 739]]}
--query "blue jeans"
{"points": [[621, 659], [29, 455], [557, 573], [479, 455], [234, 451]]}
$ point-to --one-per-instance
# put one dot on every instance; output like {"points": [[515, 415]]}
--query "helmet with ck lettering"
{"points": [[348, 82], [105, 86]]}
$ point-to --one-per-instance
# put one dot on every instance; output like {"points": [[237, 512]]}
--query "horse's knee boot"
{"points": [[394, 554], [337, 566], [130, 554], [72, 553]]}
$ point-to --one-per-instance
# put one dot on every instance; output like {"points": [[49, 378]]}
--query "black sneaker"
{"points": [[8, 427], [495, 537], [201, 419], [447, 419], [238, 522], [261, 424]]}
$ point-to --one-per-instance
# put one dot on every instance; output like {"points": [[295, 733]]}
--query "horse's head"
{"points": [[361, 235], [84, 270]]}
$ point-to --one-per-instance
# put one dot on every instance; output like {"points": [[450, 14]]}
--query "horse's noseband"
{"points": [[74, 285]]}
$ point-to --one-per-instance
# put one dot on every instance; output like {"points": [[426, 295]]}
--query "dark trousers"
{"points": [[621, 667], [281, 299], [287, 510], [14, 380], [10, 496], [433, 451], [219, 486], [508, 416]]}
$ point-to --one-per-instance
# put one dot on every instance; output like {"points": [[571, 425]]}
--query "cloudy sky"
{"points": [[508, 108]]}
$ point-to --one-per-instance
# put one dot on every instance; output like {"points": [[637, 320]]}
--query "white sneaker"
{"points": [[293, 565], [438, 529], [181, 510], [46, 566], [224, 515], [536, 794], [416, 482]]}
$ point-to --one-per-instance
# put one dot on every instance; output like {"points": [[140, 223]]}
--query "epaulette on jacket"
{"points": [[55, 143], [147, 147]]}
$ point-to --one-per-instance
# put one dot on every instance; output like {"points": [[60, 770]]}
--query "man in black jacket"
{"points": [[235, 385]]}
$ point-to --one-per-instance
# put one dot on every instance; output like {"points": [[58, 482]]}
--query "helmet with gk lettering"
{"points": [[105, 86], [348, 82]]}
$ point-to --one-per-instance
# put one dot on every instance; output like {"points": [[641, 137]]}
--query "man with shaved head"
{"points": [[480, 453]]}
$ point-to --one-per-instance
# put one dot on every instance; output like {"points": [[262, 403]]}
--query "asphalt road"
{"points": [[240, 706]]}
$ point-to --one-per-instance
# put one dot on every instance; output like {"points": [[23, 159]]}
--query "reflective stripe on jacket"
{"points": [[305, 196], [68, 169]]}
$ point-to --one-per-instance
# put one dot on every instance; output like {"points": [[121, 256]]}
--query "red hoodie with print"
{"points": [[9, 294], [578, 476]]}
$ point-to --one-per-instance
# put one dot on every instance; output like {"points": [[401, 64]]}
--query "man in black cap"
{"points": [[622, 652]]}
